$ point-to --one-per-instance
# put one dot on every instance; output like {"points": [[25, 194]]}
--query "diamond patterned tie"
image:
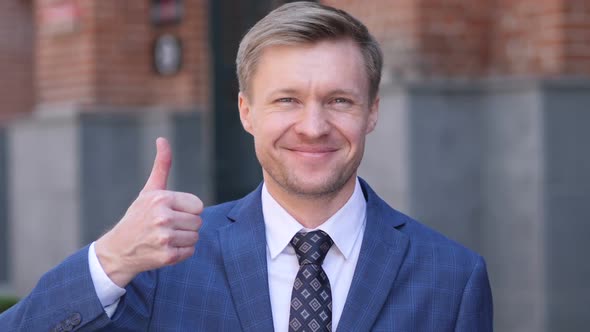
{"points": [[311, 299]]}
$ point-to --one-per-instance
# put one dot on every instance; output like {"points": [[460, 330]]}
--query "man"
{"points": [[311, 249]]}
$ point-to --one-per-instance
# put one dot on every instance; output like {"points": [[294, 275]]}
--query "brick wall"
{"points": [[473, 39], [124, 56], [427, 38], [193, 84], [107, 60], [65, 69], [16, 47], [454, 37], [395, 25], [527, 38], [576, 37], [548, 37]]}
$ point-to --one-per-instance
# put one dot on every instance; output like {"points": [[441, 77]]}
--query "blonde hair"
{"points": [[307, 22]]}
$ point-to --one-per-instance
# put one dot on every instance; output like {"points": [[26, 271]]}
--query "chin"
{"points": [[322, 186], [308, 181]]}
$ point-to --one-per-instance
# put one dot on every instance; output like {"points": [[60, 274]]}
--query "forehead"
{"points": [[327, 64]]}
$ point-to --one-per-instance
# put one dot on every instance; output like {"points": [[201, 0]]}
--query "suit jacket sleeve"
{"points": [[476, 310], [65, 299]]}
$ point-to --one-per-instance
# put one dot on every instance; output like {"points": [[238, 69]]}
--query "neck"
{"points": [[311, 210]]}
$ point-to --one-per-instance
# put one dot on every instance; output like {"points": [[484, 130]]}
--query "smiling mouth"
{"points": [[312, 152]]}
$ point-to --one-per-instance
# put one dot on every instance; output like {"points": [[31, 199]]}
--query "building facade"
{"points": [[484, 109]]}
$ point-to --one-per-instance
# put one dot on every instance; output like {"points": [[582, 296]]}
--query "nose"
{"points": [[313, 121]]}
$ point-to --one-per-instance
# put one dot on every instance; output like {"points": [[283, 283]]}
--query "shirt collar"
{"points": [[343, 227]]}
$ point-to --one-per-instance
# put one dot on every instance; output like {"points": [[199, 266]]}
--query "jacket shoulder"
{"points": [[215, 216], [424, 238], [425, 243]]}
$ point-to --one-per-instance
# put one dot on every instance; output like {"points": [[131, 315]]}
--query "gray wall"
{"points": [[44, 196], [512, 220], [501, 167], [567, 204], [445, 158], [75, 173]]}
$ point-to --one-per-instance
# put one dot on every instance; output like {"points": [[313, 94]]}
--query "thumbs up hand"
{"points": [[160, 227]]}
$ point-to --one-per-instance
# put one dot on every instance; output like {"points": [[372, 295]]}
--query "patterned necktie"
{"points": [[311, 299]]}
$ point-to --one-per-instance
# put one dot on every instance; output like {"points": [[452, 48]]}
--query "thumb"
{"points": [[159, 176]]}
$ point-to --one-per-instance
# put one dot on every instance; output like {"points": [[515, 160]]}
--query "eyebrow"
{"points": [[283, 91], [344, 92], [332, 92]]}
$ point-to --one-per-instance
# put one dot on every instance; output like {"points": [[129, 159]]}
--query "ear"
{"points": [[373, 115], [244, 107]]}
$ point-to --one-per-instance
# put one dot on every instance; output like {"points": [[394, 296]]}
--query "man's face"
{"points": [[309, 111]]}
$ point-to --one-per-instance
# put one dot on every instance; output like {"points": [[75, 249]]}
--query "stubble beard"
{"points": [[294, 184]]}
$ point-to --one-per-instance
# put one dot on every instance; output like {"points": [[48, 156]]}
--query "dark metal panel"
{"points": [[236, 168]]}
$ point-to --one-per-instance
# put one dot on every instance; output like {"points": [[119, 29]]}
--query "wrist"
{"points": [[112, 264]]}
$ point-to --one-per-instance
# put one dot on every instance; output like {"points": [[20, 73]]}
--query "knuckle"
{"points": [[164, 219], [164, 239], [160, 198]]}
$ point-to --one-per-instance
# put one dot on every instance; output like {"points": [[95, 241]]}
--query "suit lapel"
{"points": [[382, 253], [243, 247]]}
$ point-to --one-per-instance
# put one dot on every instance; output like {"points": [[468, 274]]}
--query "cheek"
{"points": [[353, 130], [267, 131], [274, 126]]}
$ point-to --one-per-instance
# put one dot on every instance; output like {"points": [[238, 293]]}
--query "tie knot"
{"points": [[311, 247]]}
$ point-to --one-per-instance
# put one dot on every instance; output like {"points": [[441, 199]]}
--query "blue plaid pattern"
{"points": [[408, 278]]}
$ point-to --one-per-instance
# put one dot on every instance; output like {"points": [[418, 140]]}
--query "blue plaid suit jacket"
{"points": [[408, 278]]}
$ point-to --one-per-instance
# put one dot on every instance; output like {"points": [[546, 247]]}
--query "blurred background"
{"points": [[485, 109]]}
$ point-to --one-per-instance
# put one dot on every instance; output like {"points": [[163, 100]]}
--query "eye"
{"points": [[340, 100], [285, 100]]}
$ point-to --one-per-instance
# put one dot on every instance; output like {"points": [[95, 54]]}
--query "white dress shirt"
{"points": [[346, 228], [108, 292]]}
